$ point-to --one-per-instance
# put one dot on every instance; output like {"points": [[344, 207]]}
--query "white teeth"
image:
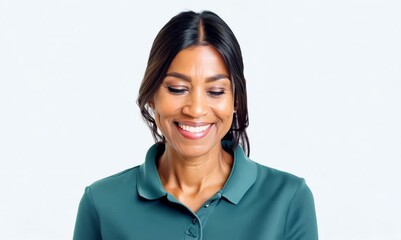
{"points": [[193, 129]]}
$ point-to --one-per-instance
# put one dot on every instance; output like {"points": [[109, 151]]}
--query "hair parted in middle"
{"points": [[189, 29]]}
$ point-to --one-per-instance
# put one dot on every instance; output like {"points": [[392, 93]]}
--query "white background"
{"points": [[324, 85]]}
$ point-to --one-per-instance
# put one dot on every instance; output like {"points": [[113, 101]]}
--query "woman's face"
{"points": [[194, 106]]}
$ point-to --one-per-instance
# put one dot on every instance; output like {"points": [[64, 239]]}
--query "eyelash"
{"points": [[179, 91], [215, 93], [176, 90]]}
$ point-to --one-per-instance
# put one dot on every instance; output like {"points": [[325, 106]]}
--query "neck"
{"points": [[192, 175]]}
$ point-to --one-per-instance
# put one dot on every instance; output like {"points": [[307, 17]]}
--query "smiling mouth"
{"points": [[193, 129]]}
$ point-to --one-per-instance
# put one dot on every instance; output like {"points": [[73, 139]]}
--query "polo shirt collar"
{"points": [[149, 184], [242, 177]]}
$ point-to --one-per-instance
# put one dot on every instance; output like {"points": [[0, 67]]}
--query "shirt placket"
{"points": [[195, 227]]}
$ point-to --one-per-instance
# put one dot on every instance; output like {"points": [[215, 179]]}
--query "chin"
{"points": [[192, 150]]}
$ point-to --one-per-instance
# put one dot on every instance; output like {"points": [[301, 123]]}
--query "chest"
{"points": [[215, 219]]}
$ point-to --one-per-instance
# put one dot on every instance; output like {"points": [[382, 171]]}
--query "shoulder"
{"points": [[279, 183], [292, 195], [115, 183], [276, 176]]}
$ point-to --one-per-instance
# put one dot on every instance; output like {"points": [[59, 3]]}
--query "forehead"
{"points": [[205, 60]]}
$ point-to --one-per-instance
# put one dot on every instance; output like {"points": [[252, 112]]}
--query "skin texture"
{"points": [[195, 92]]}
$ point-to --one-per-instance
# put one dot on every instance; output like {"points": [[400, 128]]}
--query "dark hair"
{"points": [[193, 29]]}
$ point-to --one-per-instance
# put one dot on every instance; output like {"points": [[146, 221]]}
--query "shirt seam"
{"points": [[92, 203], [290, 205]]}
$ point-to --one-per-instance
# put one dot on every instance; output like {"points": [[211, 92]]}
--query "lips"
{"points": [[193, 130]]}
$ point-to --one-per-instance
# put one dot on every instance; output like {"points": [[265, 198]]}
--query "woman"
{"points": [[197, 181]]}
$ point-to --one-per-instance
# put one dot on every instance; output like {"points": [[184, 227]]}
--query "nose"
{"points": [[196, 105]]}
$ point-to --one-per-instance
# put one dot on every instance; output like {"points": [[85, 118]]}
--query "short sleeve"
{"points": [[301, 221], [87, 225]]}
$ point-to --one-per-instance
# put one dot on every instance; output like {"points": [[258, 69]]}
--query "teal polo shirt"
{"points": [[256, 203]]}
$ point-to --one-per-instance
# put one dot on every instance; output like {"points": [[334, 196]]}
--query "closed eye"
{"points": [[176, 90], [216, 93]]}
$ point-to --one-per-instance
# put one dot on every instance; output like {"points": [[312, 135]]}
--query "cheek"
{"points": [[158, 101], [225, 109], [164, 106]]}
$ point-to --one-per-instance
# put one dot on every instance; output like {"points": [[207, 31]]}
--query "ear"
{"points": [[151, 104]]}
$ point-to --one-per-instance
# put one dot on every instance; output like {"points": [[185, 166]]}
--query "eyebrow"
{"points": [[188, 78]]}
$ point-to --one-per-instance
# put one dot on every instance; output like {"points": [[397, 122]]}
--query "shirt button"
{"points": [[194, 221], [207, 205]]}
